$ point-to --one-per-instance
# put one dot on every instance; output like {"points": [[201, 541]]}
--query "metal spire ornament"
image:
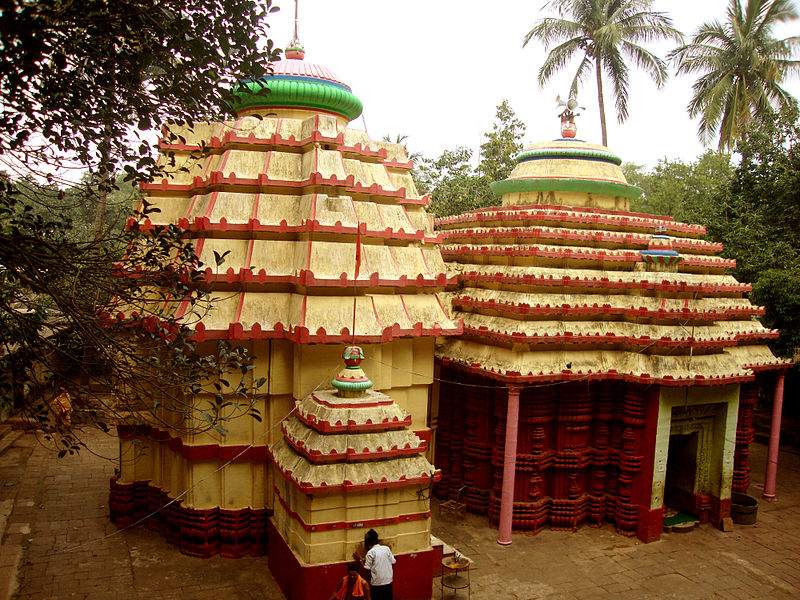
{"points": [[295, 49], [568, 127]]}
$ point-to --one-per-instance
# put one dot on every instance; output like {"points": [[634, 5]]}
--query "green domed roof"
{"points": [[295, 83], [568, 165]]}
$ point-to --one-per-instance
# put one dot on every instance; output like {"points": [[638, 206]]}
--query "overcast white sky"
{"points": [[436, 69]]}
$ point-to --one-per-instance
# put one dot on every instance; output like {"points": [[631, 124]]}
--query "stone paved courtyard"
{"points": [[56, 543]]}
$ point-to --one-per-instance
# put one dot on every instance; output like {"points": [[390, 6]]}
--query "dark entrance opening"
{"points": [[679, 485]]}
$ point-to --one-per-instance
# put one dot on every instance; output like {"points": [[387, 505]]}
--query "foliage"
{"points": [[603, 34], [753, 208], [502, 144], [685, 191], [82, 297], [78, 76], [764, 204], [455, 185], [72, 308], [741, 66]]}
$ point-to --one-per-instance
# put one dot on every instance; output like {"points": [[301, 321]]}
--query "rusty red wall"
{"points": [[584, 452], [748, 398]]}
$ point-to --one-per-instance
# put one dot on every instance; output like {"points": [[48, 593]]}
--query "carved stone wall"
{"points": [[580, 451]]}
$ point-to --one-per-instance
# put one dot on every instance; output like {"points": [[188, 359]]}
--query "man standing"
{"points": [[379, 561]]}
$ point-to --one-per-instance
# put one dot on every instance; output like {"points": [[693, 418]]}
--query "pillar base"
{"points": [[720, 509], [650, 524]]}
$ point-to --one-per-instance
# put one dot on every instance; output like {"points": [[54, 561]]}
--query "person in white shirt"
{"points": [[379, 561]]}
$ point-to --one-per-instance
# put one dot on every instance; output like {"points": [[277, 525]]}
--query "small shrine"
{"points": [[348, 462], [608, 364]]}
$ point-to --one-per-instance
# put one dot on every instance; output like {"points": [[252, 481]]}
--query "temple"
{"points": [[557, 357], [326, 243], [608, 364]]}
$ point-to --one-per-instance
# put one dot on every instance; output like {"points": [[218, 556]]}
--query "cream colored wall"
{"points": [[567, 199], [402, 368], [337, 545], [723, 436], [290, 113]]}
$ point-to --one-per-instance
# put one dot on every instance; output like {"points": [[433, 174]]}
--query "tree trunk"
{"points": [[600, 101]]}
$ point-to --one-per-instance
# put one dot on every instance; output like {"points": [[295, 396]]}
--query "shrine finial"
{"points": [[568, 127], [296, 38], [295, 49]]}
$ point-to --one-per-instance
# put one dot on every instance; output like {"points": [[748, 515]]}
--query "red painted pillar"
{"points": [[509, 466], [774, 440]]}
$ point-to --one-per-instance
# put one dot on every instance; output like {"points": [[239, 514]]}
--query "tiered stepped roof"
{"points": [[289, 195], [563, 282], [350, 439]]}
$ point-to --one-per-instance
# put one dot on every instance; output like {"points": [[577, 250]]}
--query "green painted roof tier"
{"points": [[295, 83], [591, 154], [567, 165], [563, 184]]}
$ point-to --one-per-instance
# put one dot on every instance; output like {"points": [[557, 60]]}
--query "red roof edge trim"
{"points": [[506, 377]]}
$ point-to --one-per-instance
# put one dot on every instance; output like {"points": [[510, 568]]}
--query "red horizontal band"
{"points": [[579, 215], [219, 452], [506, 377], [202, 223], [351, 426], [605, 310], [558, 234], [302, 335], [609, 338]]}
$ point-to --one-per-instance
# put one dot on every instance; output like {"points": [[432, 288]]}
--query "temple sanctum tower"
{"points": [[326, 242], [560, 359], [608, 364]]}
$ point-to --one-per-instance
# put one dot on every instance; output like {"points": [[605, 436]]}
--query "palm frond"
{"points": [[558, 58], [648, 26], [647, 61], [709, 102], [727, 125], [741, 67], [692, 59], [618, 75], [549, 31], [715, 33], [773, 12], [584, 69]]}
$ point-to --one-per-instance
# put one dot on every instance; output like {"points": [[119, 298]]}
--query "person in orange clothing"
{"points": [[353, 586], [62, 408]]}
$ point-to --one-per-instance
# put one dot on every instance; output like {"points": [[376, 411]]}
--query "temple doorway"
{"points": [[687, 485], [679, 486]]}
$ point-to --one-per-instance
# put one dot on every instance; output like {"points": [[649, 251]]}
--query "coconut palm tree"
{"points": [[742, 66], [604, 33]]}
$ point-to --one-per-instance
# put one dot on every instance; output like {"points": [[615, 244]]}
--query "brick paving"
{"points": [[60, 519], [752, 561], [59, 543]]}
